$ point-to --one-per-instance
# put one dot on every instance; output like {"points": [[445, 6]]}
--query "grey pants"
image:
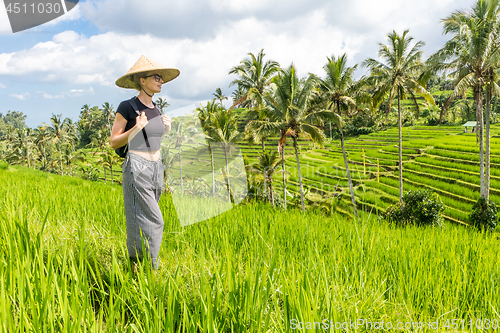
{"points": [[142, 185]]}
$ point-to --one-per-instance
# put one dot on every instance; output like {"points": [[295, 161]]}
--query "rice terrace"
{"points": [[363, 202]]}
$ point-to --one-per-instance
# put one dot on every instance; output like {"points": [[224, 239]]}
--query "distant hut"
{"points": [[472, 124]]}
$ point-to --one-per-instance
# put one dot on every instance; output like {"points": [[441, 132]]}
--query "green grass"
{"points": [[460, 156], [252, 269]]}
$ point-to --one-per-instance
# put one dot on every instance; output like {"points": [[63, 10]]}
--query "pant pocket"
{"points": [[136, 168]]}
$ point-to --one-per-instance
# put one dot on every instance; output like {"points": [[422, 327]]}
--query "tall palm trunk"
{"points": [[111, 170], [270, 191], [283, 168], [480, 124], [213, 171], [400, 125], [388, 106], [229, 193], [60, 156], [349, 180], [487, 143], [180, 170], [300, 173], [43, 156], [28, 153]]}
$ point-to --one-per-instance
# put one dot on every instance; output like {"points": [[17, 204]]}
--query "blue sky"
{"points": [[74, 60]]}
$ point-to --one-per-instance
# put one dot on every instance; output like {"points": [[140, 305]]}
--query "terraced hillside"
{"points": [[443, 159]]}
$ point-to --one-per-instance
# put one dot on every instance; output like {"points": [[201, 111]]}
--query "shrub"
{"points": [[4, 165], [351, 130], [484, 215], [421, 207]]}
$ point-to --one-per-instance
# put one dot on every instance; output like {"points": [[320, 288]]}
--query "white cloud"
{"points": [[70, 93], [204, 65], [221, 33], [3, 86], [21, 97], [202, 19], [66, 37], [49, 96], [80, 92]]}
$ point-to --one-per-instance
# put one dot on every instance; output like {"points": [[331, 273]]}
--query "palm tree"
{"points": [[58, 133], [19, 152], [85, 111], [290, 114], [162, 104], [398, 77], [472, 57], [70, 156], [84, 124], [257, 113], [238, 94], [182, 132], [71, 131], [255, 77], [112, 160], [11, 135], [341, 91], [219, 95], [205, 114], [24, 143], [492, 87], [41, 136], [100, 142], [267, 164], [223, 129], [168, 161], [108, 114]]}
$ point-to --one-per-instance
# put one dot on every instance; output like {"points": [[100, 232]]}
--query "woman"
{"points": [[142, 167]]}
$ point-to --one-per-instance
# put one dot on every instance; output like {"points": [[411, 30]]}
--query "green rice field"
{"points": [[442, 159], [63, 266]]}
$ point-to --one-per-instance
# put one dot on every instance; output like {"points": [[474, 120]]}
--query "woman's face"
{"points": [[152, 83]]}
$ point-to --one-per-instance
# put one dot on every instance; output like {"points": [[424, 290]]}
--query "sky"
{"points": [[59, 66]]}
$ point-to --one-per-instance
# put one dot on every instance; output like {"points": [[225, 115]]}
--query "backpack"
{"points": [[122, 151]]}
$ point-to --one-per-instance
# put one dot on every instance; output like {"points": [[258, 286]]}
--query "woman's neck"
{"points": [[145, 99]]}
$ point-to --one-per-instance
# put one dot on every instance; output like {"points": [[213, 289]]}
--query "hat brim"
{"points": [[127, 80]]}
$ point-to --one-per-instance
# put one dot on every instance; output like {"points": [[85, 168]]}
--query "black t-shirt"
{"points": [[154, 129]]}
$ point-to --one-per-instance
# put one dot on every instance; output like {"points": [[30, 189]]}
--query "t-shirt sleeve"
{"points": [[124, 109]]}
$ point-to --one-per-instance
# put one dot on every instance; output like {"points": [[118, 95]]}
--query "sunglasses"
{"points": [[156, 76]]}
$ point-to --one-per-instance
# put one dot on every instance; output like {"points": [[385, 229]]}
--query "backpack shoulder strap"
{"points": [[134, 105], [136, 109]]}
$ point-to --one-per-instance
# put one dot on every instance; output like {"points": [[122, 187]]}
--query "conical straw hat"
{"points": [[145, 67]]}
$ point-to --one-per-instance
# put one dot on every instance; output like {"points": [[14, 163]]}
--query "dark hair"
{"points": [[136, 79]]}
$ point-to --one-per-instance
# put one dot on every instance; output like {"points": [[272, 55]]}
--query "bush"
{"points": [[484, 215], [433, 119], [4, 165], [421, 207], [350, 130]]}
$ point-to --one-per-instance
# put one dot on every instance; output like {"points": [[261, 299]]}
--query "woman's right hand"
{"points": [[141, 120]]}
